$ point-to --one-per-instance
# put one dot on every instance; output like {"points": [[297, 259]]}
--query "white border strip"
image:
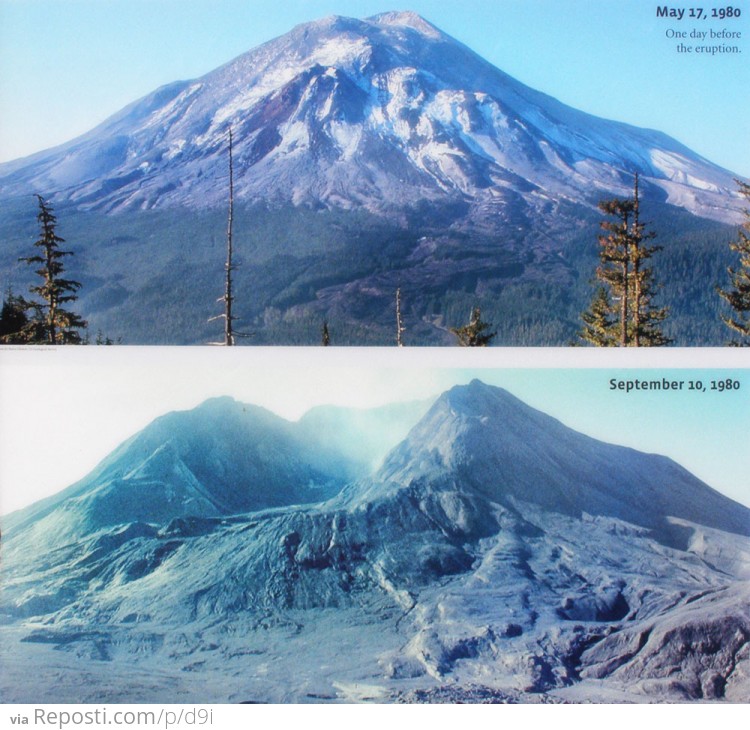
{"points": [[393, 357]]}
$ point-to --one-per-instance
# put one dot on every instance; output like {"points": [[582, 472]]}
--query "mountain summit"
{"points": [[368, 156], [504, 451], [380, 114], [495, 555]]}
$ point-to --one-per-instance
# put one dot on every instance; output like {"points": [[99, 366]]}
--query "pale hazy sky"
{"points": [[66, 65], [63, 410]]}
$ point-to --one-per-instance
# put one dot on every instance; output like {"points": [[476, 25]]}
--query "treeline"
{"points": [[639, 294], [623, 312], [738, 294]]}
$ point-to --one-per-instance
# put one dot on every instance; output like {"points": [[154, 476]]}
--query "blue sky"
{"points": [[110, 393], [66, 65]]}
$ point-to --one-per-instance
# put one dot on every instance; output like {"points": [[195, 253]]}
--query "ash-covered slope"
{"points": [[381, 114], [221, 458], [496, 554], [499, 449]]}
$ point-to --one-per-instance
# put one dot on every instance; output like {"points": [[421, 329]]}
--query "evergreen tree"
{"points": [[738, 297], [614, 255], [102, 339], [646, 317], [13, 319], [475, 333], [325, 336], [622, 312], [50, 322], [599, 321]]}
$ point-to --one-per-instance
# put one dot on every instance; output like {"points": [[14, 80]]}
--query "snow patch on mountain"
{"points": [[380, 113]]}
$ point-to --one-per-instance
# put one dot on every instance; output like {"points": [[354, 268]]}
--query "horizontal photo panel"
{"points": [[202, 525]]}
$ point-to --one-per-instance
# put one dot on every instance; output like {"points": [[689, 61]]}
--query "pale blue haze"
{"points": [[112, 393]]}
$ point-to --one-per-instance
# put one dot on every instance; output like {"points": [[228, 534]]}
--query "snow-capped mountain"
{"points": [[382, 114], [495, 555], [369, 156]]}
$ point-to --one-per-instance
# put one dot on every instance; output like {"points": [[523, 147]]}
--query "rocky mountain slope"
{"points": [[495, 555], [369, 155], [222, 458], [381, 114]]}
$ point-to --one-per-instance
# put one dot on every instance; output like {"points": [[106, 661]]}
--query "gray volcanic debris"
{"points": [[493, 555]]}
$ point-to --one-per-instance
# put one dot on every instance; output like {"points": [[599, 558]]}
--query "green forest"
{"points": [[154, 277]]}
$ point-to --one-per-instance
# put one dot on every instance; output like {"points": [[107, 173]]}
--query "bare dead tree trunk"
{"points": [[399, 327], [625, 287], [230, 334], [228, 296], [636, 269]]}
